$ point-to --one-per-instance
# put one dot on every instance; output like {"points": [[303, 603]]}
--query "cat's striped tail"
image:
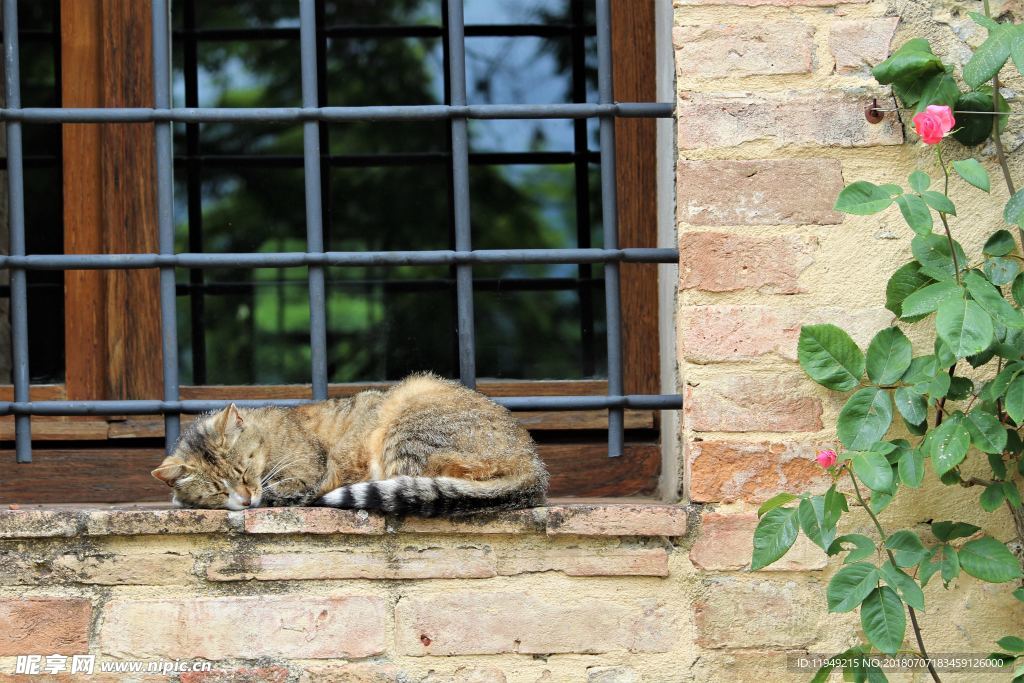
{"points": [[434, 496]]}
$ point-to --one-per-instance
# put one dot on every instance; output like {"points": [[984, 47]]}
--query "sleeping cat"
{"points": [[426, 446]]}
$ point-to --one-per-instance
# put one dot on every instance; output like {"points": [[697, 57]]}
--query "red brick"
{"points": [[727, 471], [526, 521], [742, 613], [312, 521], [463, 623], [352, 673], [39, 523], [725, 543], [859, 44], [587, 562], [159, 521], [759, 192], [267, 674], [408, 563], [616, 520], [815, 119], [290, 626], [44, 626], [745, 403], [709, 334], [744, 49], [723, 262]]}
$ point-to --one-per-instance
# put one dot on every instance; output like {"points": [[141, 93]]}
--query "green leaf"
{"points": [[883, 619], [964, 326], [921, 369], [889, 355], [973, 172], [990, 56], [939, 202], [983, 21], [926, 299], [774, 535], [916, 213], [992, 497], [1015, 400], [879, 501], [1014, 209], [974, 129], [1011, 643], [874, 470], [830, 357], [1017, 593], [927, 567], [987, 434], [948, 531], [835, 506], [775, 501], [850, 586], [911, 405], [1017, 289], [906, 586], [995, 461], [911, 467], [863, 199], [989, 298], [865, 418], [950, 564], [949, 444], [1000, 270], [1012, 494], [913, 61], [939, 89], [919, 181], [987, 559], [811, 514], [959, 388], [862, 547], [932, 252], [936, 387], [1000, 243], [906, 547], [903, 283]]}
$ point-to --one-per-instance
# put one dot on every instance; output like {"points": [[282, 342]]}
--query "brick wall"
{"points": [[596, 593], [771, 98]]}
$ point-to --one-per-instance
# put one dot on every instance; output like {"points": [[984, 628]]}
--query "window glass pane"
{"points": [[387, 186], [42, 176]]}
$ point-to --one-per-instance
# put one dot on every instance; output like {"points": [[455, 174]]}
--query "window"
{"points": [[240, 187]]}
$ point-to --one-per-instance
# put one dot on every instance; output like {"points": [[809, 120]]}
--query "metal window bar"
{"points": [[462, 257]]}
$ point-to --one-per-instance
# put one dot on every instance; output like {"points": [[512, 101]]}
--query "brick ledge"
{"points": [[560, 518]]}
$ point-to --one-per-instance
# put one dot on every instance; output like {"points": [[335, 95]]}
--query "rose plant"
{"points": [[958, 404]]}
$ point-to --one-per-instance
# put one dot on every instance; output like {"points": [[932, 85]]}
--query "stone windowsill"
{"points": [[579, 518]]}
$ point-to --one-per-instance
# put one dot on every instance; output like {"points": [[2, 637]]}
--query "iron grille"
{"points": [[463, 257]]}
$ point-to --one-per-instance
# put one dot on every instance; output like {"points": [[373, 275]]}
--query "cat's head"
{"points": [[215, 463]]}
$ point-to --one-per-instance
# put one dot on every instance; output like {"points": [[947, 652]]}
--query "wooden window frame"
{"points": [[112, 327]]}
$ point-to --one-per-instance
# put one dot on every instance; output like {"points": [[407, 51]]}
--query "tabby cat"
{"points": [[427, 446]]}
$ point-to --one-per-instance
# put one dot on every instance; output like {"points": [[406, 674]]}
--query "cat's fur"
{"points": [[427, 446]]}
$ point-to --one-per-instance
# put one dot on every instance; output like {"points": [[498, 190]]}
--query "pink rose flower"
{"points": [[933, 123], [827, 457]]}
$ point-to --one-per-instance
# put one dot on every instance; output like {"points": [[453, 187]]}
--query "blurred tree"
{"points": [[382, 322]]}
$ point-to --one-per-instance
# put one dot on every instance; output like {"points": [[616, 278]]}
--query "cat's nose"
{"points": [[246, 500]]}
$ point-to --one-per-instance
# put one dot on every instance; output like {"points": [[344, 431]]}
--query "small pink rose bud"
{"points": [[827, 457], [933, 123]]}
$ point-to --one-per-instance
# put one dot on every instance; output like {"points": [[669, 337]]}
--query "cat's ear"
{"points": [[228, 420], [170, 470]]}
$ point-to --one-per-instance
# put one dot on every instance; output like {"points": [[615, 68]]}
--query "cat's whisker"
{"points": [[276, 469]]}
